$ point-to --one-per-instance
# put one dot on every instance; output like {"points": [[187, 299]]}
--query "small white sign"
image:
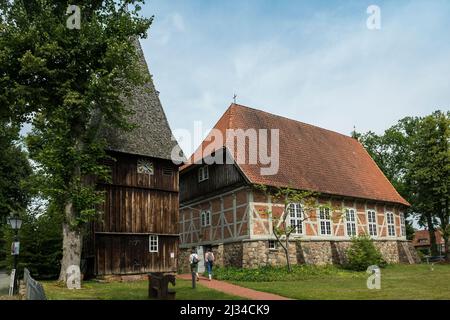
{"points": [[15, 248], [172, 255], [11, 282]]}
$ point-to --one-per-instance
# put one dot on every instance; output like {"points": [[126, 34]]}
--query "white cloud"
{"points": [[328, 70], [163, 31], [178, 22]]}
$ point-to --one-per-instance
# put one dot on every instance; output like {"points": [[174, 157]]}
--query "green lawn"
{"points": [[397, 282], [137, 290]]}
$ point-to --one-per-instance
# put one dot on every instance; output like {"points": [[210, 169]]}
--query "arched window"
{"points": [[206, 218]]}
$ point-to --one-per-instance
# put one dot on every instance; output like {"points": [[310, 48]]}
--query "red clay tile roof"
{"points": [[311, 158], [425, 235]]}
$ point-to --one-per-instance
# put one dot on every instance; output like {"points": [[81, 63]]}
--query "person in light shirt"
{"points": [[193, 261]]}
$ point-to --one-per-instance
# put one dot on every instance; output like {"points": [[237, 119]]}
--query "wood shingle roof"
{"points": [[152, 136]]}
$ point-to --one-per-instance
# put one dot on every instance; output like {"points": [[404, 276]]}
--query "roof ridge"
{"points": [[292, 120], [334, 164]]}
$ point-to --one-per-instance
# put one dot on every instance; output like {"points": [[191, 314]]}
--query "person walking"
{"points": [[193, 261], [209, 259]]}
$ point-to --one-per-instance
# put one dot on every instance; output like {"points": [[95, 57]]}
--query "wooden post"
{"points": [[194, 280]]}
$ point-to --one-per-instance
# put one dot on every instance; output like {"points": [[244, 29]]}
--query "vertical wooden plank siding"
{"points": [[137, 205]]}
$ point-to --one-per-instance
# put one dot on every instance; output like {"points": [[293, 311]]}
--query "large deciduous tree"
{"points": [[414, 156], [429, 171], [70, 84]]}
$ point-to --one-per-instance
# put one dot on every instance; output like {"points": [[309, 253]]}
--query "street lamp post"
{"points": [[15, 222]]}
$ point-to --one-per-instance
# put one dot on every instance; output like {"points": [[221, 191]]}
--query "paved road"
{"points": [[4, 282]]}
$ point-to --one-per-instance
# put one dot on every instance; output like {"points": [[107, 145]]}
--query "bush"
{"points": [[268, 274], [362, 254]]}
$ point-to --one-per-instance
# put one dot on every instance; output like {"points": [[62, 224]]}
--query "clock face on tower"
{"points": [[145, 167]]}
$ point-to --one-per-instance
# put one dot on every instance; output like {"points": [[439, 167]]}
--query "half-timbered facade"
{"points": [[220, 207], [138, 229]]}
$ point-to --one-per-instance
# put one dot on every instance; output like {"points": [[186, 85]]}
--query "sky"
{"points": [[312, 61]]}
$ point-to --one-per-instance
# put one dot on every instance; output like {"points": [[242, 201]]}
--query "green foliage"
{"points": [[3, 251], [14, 171], [422, 252], [266, 273], [40, 243], [414, 155], [69, 84], [362, 254], [429, 170]]}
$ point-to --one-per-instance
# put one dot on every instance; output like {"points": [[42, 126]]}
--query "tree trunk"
{"points": [[431, 230], [286, 251], [444, 224], [72, 245], [446, 253]]}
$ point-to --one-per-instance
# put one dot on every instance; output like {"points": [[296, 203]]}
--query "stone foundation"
{"points": [[183, 261], [257, 254], [254, 254]]}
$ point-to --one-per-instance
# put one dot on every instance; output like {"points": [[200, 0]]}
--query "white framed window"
{"points": [[206, 218], [325, 221], [372, 222], [203, 173], [296, 217], [403, 224], [390, 224], [350, 218], [272, 245], [153, 243]]}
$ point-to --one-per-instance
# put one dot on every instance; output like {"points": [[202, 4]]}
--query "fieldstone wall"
{"points": [[233, 254], [183, 260], [218, 254], [319, 252], [389, 250], [255, 254], [314, 252]]}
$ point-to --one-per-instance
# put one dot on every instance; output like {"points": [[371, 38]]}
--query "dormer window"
{"points": [[203, 174]]}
